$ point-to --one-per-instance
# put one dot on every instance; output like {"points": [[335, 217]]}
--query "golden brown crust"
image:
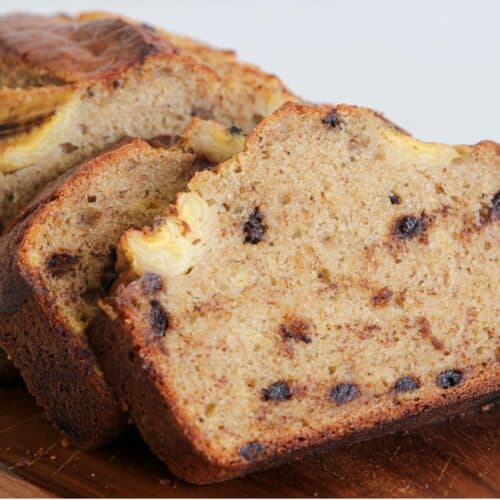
{"points": [[58, 366], [62, 375], [61, 50]]}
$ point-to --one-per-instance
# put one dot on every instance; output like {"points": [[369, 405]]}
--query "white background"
{"points": [[432, 66]]}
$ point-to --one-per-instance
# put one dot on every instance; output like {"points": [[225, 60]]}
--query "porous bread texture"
{"points": [[240, 82], [72, 87], [335, 280], [59, 257]]}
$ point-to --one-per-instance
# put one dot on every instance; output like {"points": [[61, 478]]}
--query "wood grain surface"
{"points": [[13, 486], [457, 458]]}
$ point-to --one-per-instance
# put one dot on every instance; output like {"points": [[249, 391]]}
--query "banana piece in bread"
{"points": [[334, 281], [58, 258], [70, 87]]}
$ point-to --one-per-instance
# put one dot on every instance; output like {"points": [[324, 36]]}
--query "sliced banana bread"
{"points": [[336, 280], [59, 257], [71, 87]]}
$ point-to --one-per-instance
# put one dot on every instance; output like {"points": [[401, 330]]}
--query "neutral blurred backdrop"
{"points": [[433, 66]]}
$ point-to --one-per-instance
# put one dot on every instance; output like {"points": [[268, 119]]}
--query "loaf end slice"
{"points": [[59, 257], [335, 280]]}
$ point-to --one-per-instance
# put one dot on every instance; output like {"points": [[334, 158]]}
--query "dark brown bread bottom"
{"points": [[74, 392], [7, 371], [130, 375]]}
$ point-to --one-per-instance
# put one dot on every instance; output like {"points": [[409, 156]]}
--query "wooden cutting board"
{"points": [[458, 458]]}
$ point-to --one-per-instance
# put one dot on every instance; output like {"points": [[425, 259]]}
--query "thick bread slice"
{"points": [[59, 257], [335, 280], [71, 87]]}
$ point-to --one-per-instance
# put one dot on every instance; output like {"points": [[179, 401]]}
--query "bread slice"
{"points": [[334, 281], [59, 257], [71, 87]]}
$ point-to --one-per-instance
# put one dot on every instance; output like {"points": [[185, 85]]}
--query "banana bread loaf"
{"points": [[336, 280], [59, 257], [70, 87]]}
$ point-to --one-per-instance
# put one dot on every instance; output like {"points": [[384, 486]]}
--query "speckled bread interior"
{"points": [[70, 87], [59, 257], [335, 280]]}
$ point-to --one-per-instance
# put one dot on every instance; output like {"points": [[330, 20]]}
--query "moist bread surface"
{"points": [[59, 257], [335, 280]]}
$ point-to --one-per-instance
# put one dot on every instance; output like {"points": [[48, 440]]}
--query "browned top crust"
{"points": [[62, 50]]}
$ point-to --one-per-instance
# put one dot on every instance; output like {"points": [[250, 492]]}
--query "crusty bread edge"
{"points": [[39, 341]]}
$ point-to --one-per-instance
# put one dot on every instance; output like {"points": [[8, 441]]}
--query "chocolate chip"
{"points": [[408, 226], [233, 130], [382, 297], [449, 378], [332, 120], [59, 264], [158, 318], [404, 384], [251, 451], [343, 393], [297, 330], [395, 199], [495, 203], [91, 198], [151, 283], [116, 84], [203, 113], [253, 227], [279, 391]]}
